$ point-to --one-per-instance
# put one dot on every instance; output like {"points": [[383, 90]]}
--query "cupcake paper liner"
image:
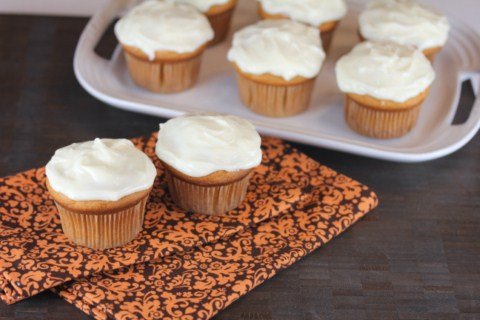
{"points": [[275, 100], [326, 34], [168, 76], [212, 200], [220, 23], [382, 123], [103, 231]]}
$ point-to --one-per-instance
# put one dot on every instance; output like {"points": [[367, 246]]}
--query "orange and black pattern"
{"points": [[35, 255], [202, 281]]}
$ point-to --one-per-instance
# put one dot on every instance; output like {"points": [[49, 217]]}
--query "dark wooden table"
{"points": [[415, 257]]}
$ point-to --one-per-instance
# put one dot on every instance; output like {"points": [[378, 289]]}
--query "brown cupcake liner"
{"points": [[381, 122], [327, 31], [220, 22], [101, 224], [103, 230], [273, 99], [214, 194], [164, 76]]}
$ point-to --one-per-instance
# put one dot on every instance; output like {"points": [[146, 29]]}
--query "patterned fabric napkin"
{"points": [[202, 281], [36, 256]]}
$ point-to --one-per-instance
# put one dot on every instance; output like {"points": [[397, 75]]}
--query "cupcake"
{"points": [[208, 160], [322, 14], [163, 44], [100, 189], [404, 22], [219, 14], [384, 85], [277, 62]]}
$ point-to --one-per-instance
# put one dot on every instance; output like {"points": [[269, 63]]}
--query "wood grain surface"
{"points": [[415, 257]]}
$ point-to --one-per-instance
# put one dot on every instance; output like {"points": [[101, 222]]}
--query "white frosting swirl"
{"points": [[201, 5], [282, 48], [198, 145], [404, 22], [103, 169], [385, 71], [161, 26], [313, 12]]}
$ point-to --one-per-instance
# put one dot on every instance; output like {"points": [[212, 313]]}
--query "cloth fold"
{"points": [[36, 256], [205, 280]]}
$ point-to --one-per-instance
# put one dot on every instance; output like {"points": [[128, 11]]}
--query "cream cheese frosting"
{"points": [[200, 144], [201, 5], [162, 26], [313, 12], [404, 22], [103, 169], [282, 48], [386, 71]]}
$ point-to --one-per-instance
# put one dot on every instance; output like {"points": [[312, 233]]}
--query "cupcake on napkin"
{"points": [[218, 12], [277, 62], [322, 14], [384, 84], [100, 188], [163, 44], [209, 160], [405, 22]]}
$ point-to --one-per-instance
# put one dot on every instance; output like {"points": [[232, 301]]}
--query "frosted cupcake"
{"points": [[404, 22], [385, 84], [209, 160], [100, 188], [277, 62], [322, 14], [163, 44], [218, 12]]}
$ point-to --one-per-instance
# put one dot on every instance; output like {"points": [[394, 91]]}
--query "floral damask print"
{"points": [[202, 281], [35, 255]]}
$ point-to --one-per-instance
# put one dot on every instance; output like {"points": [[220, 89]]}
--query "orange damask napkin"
{"points": [[202, 281], [36, 256]]}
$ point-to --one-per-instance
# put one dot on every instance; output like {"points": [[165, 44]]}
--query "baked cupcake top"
{"points": [[162, 26], [385, 71], [198, 145], [404, 22], [283, 48], [103, 169], [313, 12], [201, 5]]}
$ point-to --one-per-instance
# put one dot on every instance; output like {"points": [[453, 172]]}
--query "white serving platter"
{"points": [[322, 124]]}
